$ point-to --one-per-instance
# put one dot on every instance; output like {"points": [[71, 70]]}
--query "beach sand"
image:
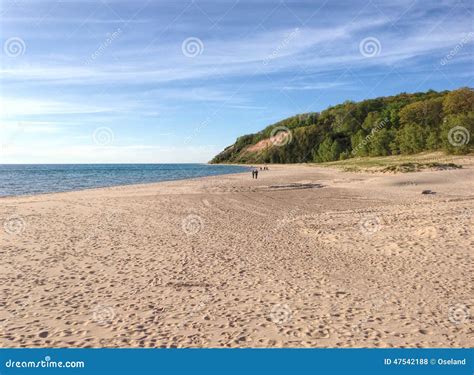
{"points": [[302, 257]]}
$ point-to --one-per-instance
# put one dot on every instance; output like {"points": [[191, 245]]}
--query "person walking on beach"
{"points": [[256, 173], [253, 173]]}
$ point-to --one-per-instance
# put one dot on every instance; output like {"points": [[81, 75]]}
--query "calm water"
{"points": [[47, 178]]}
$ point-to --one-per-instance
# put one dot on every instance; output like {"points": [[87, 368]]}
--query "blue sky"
{"points": [[177, 81]]}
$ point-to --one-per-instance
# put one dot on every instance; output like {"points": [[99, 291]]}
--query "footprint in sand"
{"points": [[427, 232], [318, 234]]}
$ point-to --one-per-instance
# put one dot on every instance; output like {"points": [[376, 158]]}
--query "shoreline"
{"points": [[465, 161], [111, 186], [300, 257]]}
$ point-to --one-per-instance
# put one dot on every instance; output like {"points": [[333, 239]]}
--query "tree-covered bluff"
{"points": [[400, 124]]}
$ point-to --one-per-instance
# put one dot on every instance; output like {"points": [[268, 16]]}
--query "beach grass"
{"points": [[402, 163]]}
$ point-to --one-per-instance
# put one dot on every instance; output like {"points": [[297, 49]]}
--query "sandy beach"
{"points": [[301, 257]]}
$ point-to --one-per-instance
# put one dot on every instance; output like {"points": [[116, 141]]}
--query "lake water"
{"points": [[48, 178]]}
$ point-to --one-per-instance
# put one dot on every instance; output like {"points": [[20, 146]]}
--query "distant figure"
{"points": [[253, 173], [256, 173]]}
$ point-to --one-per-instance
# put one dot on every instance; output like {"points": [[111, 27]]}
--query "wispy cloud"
{"points": [[144, 85], [18, 153], [11, 107], [223, 58]]}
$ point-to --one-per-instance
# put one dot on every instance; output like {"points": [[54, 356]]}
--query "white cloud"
{"points": [[313, 49], [15, 127], [10, 107], [12, 152], [316, 86], [143, 79]]}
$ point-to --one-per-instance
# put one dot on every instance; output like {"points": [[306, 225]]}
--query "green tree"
{"points": [[379, 144], [371, 121], [404, 123], [336, 150], [457, 133], [328, 150], [359, 144], [426, 112], [433, 141], [411, 139], [324, 150], [459, 101]]}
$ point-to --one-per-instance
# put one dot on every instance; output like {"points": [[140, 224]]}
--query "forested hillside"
{"points": [[401, 124]]}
